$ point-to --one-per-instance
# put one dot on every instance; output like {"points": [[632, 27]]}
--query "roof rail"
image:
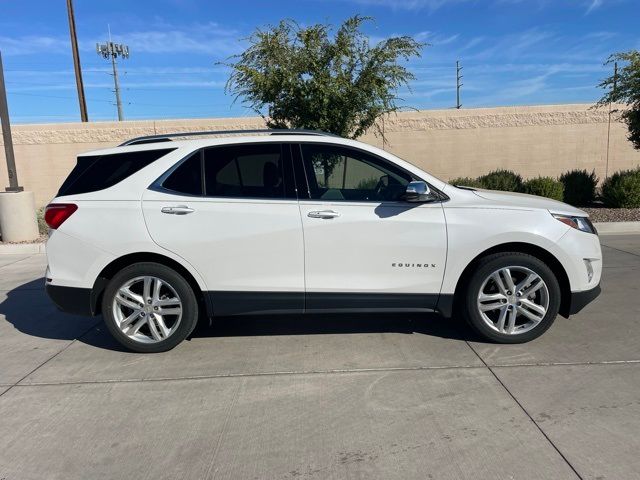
{"points": [[165, 137]]}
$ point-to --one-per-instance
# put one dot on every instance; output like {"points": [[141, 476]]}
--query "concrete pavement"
{"points": [[356, 396]]}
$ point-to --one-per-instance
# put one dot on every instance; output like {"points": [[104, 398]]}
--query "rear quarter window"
{"points": [[93, 173]]}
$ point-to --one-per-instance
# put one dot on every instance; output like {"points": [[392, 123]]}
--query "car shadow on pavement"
{"points": [[334, 323], [30, 311]]}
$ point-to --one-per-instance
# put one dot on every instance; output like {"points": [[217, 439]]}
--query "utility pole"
{"points": [[458, 84], [6, 136], [615, 84], [114, 50], [76, 62]]}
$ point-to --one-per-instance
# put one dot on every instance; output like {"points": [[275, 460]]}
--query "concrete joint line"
{"points": [[619, 250], [566, 460], [17, 261], [12, 386], [313, 372], [245, 375]]}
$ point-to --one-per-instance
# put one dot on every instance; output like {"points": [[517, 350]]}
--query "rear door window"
{"points": [[247, 171], [93, 173], [187, 178]]}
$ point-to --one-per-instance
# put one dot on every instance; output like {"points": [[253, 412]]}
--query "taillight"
{"points": [[57, 213]]}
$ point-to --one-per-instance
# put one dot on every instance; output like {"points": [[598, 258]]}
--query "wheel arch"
{"points": [[119, 263], [519, 247]]}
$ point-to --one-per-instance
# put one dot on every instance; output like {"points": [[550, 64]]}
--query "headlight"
{"points": [[579, 223]]}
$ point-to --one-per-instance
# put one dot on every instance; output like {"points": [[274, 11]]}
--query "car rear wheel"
{"points": [[149, 308], [512, 298]]}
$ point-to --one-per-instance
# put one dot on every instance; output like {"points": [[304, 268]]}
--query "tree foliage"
{"points": [[308, 77], [625, 88]]}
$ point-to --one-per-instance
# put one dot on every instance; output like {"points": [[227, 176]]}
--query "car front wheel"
{"points": [[512, 297]]}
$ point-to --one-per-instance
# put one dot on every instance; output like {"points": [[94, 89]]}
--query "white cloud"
{"points": [[410, 4], [446, 40], [434, 38], [589, 5], [206, 38], [594, 4], [31, 44], [512, 47], [125, 85], [473, 42]]}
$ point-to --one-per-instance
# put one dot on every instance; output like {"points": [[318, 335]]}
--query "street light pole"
{"points": [[6, 136], [615, 84], [458, 84]]}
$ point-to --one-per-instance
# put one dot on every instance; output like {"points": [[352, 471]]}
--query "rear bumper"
{"points": [[579, 300], [74, 300]]}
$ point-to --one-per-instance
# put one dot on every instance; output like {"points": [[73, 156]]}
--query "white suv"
{"points": [[157, 233]]}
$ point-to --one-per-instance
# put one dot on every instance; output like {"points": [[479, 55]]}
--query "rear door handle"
{"points": [[323, 214], [178, 210]]}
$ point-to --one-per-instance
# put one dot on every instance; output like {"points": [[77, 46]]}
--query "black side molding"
{"points": [[319, 301], [248, 303], [83, 301]]}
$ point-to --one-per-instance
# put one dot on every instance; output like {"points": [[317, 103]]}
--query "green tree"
{"points": [[308, 77], [625, 88]]}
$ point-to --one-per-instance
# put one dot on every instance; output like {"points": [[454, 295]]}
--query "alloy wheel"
{"points": [[513, 300], [147, 309]]}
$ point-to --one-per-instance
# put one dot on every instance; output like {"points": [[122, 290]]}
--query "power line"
{"points": [[56, 96], [165, 105]]}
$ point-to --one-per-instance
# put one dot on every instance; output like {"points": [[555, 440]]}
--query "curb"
{"points": [[22, 248], [617, 227]]}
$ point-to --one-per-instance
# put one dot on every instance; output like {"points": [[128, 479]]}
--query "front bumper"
{"points": [[579, 300], [78, 301]]}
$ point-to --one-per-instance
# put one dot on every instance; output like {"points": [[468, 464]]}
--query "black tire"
{"points": [[182, 289], [491, 263]]}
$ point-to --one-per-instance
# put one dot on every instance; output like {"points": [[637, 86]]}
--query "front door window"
{"points": [[338, 173]]}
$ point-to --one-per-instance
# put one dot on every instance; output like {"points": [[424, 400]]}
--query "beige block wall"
{"points": [[539, 140]]}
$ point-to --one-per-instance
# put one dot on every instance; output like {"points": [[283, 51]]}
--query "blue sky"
{"points": [[514, 52]]}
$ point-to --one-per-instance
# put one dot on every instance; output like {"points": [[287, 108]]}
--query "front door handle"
{"points": [[323, 214], [178, 210]]}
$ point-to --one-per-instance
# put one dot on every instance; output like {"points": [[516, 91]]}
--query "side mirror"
{"points": [[418, 192]]}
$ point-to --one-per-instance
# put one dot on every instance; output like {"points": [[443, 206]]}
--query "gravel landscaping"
{"points": [[41, 239], [613, 214]]}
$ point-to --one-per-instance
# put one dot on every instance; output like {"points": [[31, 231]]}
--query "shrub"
{"points": [[545, 187], [465, 182], [622, 189], [579, 187], [504, 180]]}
